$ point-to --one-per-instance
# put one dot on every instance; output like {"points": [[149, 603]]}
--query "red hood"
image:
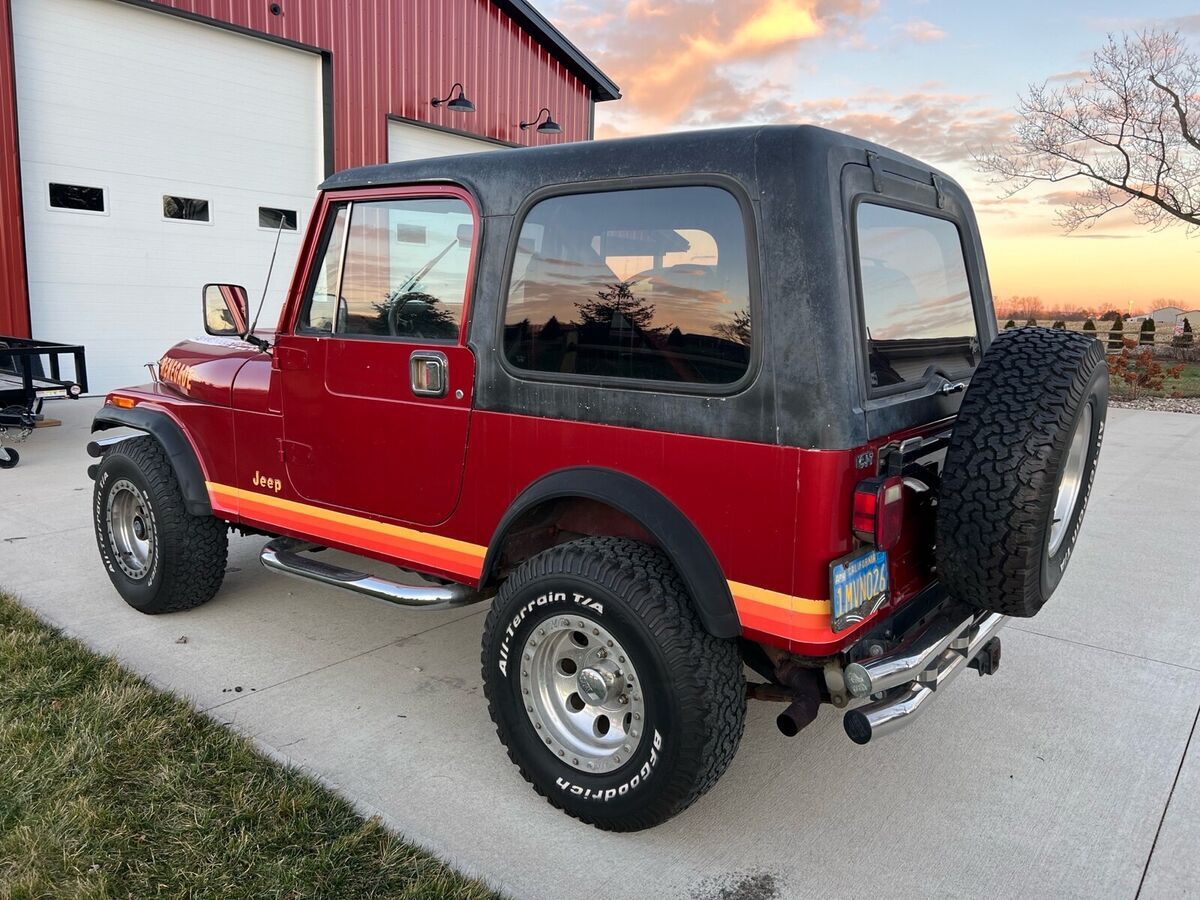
{"points": [[203, 368]]}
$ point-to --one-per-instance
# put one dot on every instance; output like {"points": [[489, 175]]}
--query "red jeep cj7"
{"points": [[675, 406]]}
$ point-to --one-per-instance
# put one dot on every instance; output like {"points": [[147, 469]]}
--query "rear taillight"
{"points": [[879, 511]]}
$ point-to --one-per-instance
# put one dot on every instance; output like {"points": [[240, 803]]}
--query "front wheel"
{"points": [[160, 557], [612, 699]]}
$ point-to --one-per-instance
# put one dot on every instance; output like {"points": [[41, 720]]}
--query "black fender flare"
{"points": [[676, 535], [179, 449]]}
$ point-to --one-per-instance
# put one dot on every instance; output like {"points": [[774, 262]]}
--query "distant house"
{"points": [[1168, 315], [1192, 315]]}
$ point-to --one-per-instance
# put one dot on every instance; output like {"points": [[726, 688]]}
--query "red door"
{"points": [[377, 380]]}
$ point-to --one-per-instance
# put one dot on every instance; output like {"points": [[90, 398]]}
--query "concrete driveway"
{"points": [[1068, 774]]}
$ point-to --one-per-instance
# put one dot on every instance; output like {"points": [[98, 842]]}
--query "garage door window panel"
{"points": [[270, 218], [647, 285], [917, 308], [186, 209], [77, 198], [406, 266]]}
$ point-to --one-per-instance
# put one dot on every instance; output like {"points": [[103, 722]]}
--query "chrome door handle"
{"points": [[429, 373]]}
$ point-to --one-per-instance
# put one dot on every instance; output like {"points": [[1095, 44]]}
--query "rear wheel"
{"points": [[1019, 469], [160, 557], [8, 457], [611, 698]]}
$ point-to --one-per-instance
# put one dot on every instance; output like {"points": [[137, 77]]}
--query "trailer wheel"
{"points": [[160, 557], [9, 457], [613, 701], [1019, 469]]}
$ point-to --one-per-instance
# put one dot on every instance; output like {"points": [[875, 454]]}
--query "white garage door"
{"points": [[407, 141], [149, 144]]}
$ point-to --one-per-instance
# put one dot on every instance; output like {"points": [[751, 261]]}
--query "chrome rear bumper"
{"points": [[909, 676]]}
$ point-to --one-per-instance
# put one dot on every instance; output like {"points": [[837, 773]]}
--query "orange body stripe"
{"points": [[367, 538], [765, 611]]}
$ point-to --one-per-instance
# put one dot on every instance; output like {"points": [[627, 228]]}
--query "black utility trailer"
{"points": [[31, 371]]}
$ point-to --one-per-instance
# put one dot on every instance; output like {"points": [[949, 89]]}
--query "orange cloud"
{"points": [[674, 58]]}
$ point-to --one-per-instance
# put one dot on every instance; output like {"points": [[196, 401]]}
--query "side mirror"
{"points": [[225, 309]]}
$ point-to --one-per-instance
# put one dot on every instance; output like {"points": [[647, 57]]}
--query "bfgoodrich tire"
{"points": [[1019, 469], [612, 699], [160, 557]]}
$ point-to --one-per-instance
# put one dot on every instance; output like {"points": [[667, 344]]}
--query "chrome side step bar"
{"points": [[916, 671], [283, 555]]}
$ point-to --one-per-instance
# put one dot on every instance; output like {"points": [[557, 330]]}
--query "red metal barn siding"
{"points": [[14, 308], [389, 57]]}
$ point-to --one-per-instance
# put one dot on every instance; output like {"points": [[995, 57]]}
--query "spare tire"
{"points": [[1019, 469]]}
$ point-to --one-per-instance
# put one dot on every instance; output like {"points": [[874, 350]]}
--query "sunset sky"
{"points": [[933, 78]]}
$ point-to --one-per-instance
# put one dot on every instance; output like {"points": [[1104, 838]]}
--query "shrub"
{"points": [[1115, 334], [1147, 334], [1060, 325], [1089, 325], [1138, 371], [1185, 339], [1032, 323], [1010, 324]]}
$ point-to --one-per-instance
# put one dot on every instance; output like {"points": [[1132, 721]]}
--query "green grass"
{"points": [[1188, 384], [110, 788]]}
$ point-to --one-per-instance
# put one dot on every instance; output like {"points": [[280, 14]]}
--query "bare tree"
{"points": [[1130, 129]]}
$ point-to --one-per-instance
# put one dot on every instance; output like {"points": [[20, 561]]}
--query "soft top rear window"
{"points": [[916, 297]]}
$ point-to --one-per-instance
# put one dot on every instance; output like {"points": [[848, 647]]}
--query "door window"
{"points": [[404, 273], [322, 307], [648, 284], [916, 297]]}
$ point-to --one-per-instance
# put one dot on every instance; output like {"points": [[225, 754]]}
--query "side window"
{"points": [[649, 284], [322, 308], [916, 296], [406, 269]]}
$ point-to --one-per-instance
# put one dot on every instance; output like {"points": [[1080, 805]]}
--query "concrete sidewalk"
{"points": [[1063, 776]]}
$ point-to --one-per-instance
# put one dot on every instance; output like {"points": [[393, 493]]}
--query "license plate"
{"points": [[858, 585]]}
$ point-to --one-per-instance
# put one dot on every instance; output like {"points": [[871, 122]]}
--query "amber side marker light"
{"points": [[122, 402]]}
